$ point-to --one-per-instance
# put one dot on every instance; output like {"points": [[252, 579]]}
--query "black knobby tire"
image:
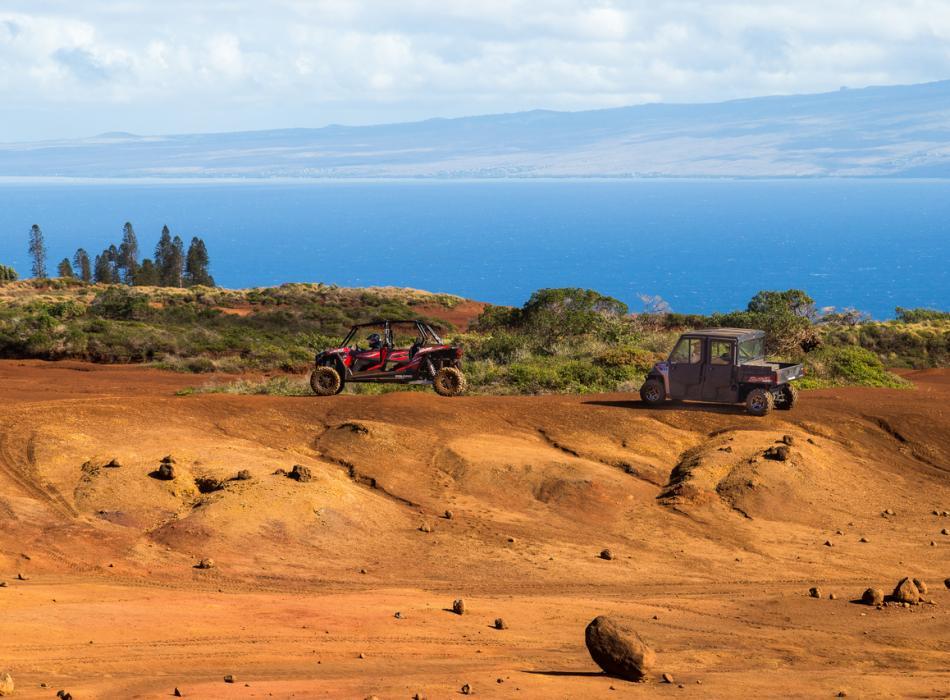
{"points": [[326, 381], [449, 381], [760, 402], [652, 393], [789, 398]]}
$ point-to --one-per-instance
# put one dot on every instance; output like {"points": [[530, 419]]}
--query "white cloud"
{"points": [[246, 64]]}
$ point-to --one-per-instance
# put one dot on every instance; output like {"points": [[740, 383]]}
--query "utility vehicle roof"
{"points": [[389, 320], [737, 333]]}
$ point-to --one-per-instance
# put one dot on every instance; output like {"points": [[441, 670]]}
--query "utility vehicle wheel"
{"points": [[326, 381], [789, 397], [652, 392], [759, 402], [449, 381]]}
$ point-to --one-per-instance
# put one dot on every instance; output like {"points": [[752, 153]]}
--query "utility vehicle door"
{"points": [[719, 371], [686, 366]]}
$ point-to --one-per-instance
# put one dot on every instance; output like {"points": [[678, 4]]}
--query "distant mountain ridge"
{"points": [[893, 131]]}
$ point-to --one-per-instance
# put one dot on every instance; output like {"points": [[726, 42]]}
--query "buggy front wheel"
{"points": [[449, 381], [326, 381]]}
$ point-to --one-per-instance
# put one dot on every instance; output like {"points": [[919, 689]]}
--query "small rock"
{"points": [[945, 531], [832, 596], [788, 439], [906, 592], [511, 540], [873, 596], [667, 678], [301, 473], [425, 527], [864, 539], [842, 694], [935, 512], [828, 543], [946, 583], [932, 543], [606, 554], [22, 577], [448, 515], [6, 684], [279, 472], [362, 655], [458, 606], [500, 624], [618, 650], [205, 564], [466, 689], [887, 511], [362, 571], [814, 592], [243, 475], [839, 532], [165, 472], [63, 695], [3, 584], [177, 693], [779, 453], [229, 678], [811, 441], [113, 464], [921, 586], [168, 459], [398, 615]]}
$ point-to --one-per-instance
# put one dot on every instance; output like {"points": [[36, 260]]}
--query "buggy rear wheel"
{"points": [[760, 402], [326, 381], [449, 381], [788, 399]]}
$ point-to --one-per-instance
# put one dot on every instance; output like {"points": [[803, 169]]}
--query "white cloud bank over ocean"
{"points": [[77, 68]]}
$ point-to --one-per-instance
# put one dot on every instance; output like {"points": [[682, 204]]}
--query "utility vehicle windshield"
{"points": [[752, 349]]}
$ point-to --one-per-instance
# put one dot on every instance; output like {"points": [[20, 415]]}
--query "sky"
{"points": [[72, 68]]}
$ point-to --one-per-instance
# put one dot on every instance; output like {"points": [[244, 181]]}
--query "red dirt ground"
{"points": [[715, 547]]}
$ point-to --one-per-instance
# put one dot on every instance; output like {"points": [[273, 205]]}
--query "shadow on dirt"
{"points": [[574, 674], [636, 405]]}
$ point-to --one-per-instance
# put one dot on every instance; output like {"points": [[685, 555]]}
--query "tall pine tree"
{"points": [[38, 252], [147, 275], [163, 254], [196, 265], [82, 266], [129, 253], [104, 270], [8, 274]]}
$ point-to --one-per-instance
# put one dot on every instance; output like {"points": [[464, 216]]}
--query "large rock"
{"points": [[618, 650], [906, 591], [301, 473]]}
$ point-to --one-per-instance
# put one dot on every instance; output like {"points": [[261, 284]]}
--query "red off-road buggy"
{"points": [[397, 352]]}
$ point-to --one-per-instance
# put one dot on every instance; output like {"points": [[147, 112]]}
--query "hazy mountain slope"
{"points": [[893, 131]]}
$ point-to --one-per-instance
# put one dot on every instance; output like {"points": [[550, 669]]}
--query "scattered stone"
{"points": [[946, 582], [113, 464], [448, 515], [727, 448], [606, 554], [280, 472], [617, 649], [3, 584], [932, 543], [63, 695], [788, 440], [243, 475], [362, 655], [177, 693], [906, 592], [398, 615], [6, 684], [466, 689], [301, 473], [667, 678], [500, 624], [458, 606], [511, 540], [208, 484], [839, 532], [945, 513], [832, 596], [814, 592], [362, 571], [165, 472], [780, 453], [22, 577], [229, 678], [887, 511], [842, 694], [205, 564], [921, 586], [945, 531], [828, 543], [864, 539], [935, 512], [425, 527], [811, 441], [873, 596]]}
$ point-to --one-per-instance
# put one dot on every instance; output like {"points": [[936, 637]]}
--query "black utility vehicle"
{"points": [[723, 365]]}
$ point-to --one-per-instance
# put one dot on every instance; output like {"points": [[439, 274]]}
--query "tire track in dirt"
{"points": [[24, 474]]}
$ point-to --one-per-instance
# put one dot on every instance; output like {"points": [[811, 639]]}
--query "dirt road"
{"points": [[715, 546]]}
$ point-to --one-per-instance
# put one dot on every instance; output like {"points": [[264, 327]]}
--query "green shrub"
{"points": [[836, 366]]}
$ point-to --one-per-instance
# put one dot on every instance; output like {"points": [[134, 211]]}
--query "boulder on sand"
{"points": [[873, 596], [618, 650], [906, 591], [165, 472], [301, 473]]}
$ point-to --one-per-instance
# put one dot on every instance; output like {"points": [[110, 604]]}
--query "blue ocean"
{"points": [[702, 246]]}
